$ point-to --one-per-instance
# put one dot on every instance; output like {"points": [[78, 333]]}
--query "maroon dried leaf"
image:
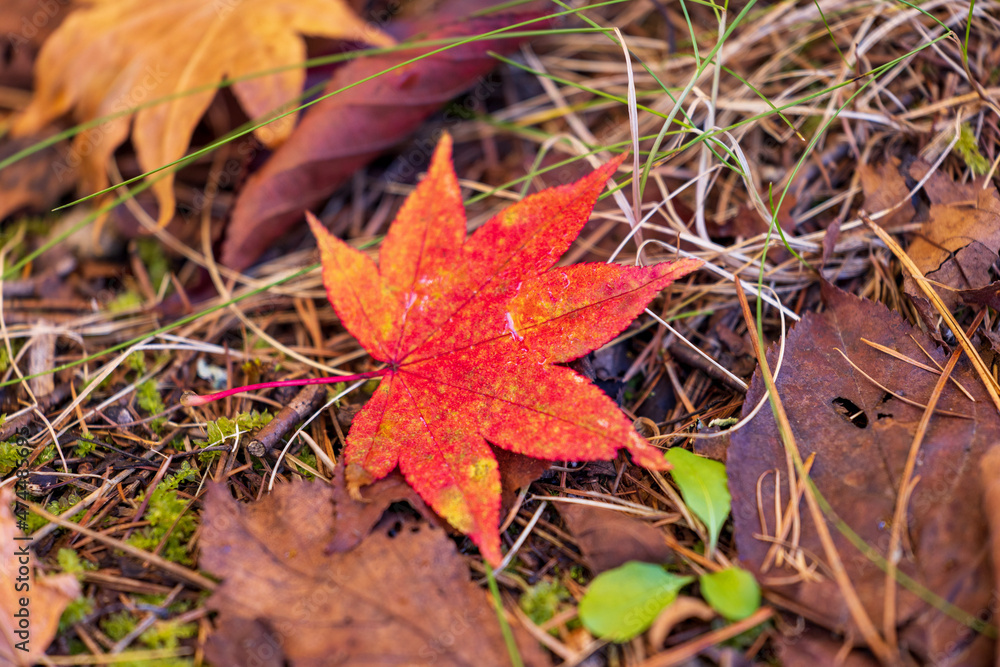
{"points": [[516, 472], [354, 519], [861, 436], [345, 132], [982, 296]]}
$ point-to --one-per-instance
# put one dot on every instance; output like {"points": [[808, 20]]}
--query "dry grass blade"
{"points": [[905, 489], [977, 361], [897, 395], [913, 362]]}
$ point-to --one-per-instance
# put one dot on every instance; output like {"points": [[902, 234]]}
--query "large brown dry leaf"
{"points": [[609, 538], [959, 242], [47, 597], [345, 132], [861, 436], [402, 596], [354, 519], [116, 54]]}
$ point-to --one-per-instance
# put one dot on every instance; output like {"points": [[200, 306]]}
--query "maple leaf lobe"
{"points": [[471, 329]]}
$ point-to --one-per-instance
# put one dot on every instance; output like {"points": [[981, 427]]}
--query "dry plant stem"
{"points": [[680, 655], [875, 642], [297, 410], [193, 400], [178, 571], [785, 520], [902, 499], [932, 295]]}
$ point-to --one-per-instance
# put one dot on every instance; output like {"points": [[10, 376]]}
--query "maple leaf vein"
{"points": [[524, 331], [472, 297], [455, 474], [528, 408]]}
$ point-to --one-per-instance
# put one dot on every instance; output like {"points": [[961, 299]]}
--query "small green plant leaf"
{"points": [[733, 592], [703, 484], [541, 601], [621, 603]]}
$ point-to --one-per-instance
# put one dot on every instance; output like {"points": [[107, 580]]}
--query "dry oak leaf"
{"points": [[471, 331], [402, 596], [113, 55], [47, 597]]}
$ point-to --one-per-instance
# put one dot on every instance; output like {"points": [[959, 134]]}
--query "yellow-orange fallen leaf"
{"points": [[113, 55], [29, 605]]}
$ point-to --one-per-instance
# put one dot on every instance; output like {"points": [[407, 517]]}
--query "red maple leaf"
{"points": [[471, 331]]}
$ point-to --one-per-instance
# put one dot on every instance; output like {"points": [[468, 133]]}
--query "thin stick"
{"points": [[680, 655], [296, 411], [178, 571]]}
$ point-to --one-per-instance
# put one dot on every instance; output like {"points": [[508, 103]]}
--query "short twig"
{"points": [[296, 411]]}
